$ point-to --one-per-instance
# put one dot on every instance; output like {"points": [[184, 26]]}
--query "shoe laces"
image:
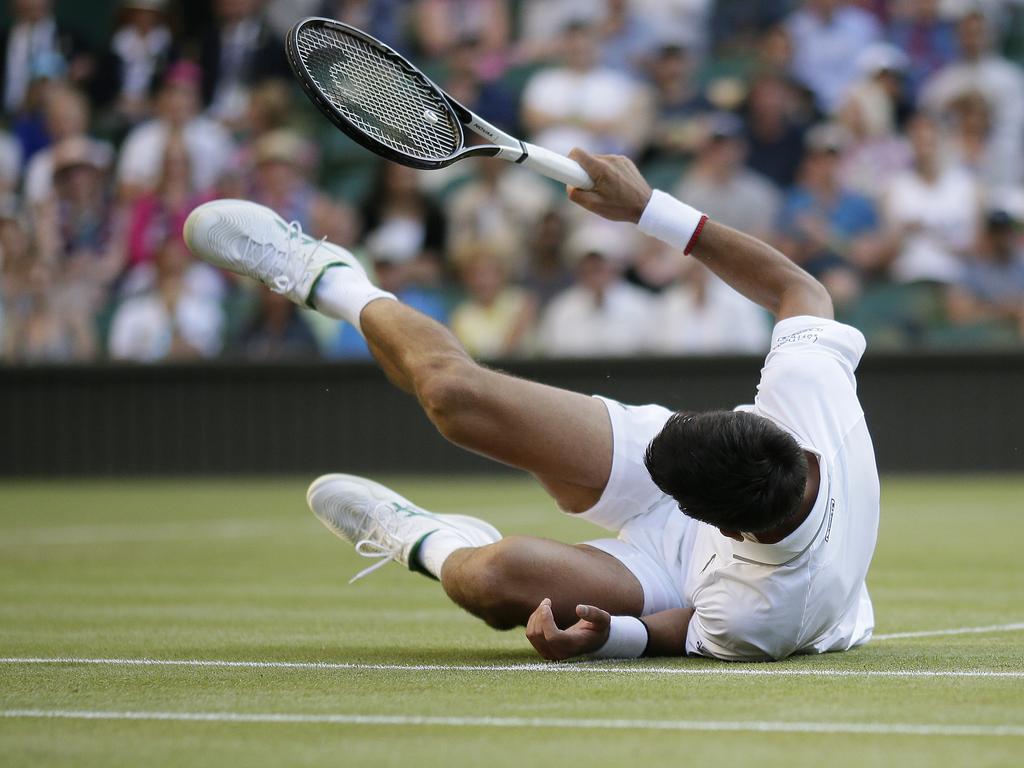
{"points": [[285, 267], [382, 540]]}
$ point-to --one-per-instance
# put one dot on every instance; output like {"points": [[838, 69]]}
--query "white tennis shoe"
{"points": [[254, 241], [382, 524]]}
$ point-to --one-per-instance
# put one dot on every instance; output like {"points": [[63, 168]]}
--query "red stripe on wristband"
{"points": [[696, 235]]}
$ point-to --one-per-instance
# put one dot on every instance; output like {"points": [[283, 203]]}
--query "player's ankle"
{"points": [[343, 293]]}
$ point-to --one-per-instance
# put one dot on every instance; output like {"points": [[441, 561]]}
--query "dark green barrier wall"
{"points": [[927, 413]]}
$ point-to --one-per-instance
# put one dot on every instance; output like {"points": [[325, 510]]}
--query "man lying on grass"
{"points": [[741, 535]]}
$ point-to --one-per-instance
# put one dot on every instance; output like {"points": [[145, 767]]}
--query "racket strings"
{"points": [[378, 95]]}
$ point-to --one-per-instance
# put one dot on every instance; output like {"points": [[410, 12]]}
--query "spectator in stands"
{"points": [[465, 82], [277, 332], [702, 315], [238, 51], [871, 114], [719, 184], [67, 116], [737, 24], [583, 104], [825, 228], [496, 319], [35, 35], [282, 161], [980, 69], [500, 204], [10, 166], [627, 37], [971, 142], [932, 211], [678, 103], [548, 274], [396, 197], [927, 38], [990, 288], [177, 109], [827, 37], [168, 322], [39, 327], [384, 19], [141, 49], [29, 124], [601, 315], [775, 132], [441, 25], [395, 248], [157, 214], [75, 227], [542, 24], [686, 21]]}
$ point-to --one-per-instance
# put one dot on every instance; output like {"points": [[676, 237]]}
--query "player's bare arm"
{"points": [[750, 266]]}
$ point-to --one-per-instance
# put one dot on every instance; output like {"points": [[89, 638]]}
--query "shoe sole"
{"points": [[384, 493]]}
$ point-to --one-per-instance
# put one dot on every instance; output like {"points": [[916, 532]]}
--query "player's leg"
{"points": [[500, 580], [562, 437], [503, 583]]}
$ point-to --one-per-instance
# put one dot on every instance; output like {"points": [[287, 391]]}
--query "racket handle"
{"points": [[556, 166]]}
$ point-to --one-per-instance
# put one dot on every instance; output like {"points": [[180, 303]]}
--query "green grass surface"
{"points": [[240, 570]]}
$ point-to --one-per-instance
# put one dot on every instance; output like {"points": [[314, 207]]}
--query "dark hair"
{"points": [[731, 469]]}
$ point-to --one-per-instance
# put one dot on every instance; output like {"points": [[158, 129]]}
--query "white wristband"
{"points": [[627, 639], [671, 221]]}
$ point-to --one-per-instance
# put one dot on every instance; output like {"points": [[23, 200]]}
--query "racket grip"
{"points": [[556, 166]]}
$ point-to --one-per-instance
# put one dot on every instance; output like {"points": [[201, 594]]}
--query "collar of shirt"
{"points": [[799, 541]]}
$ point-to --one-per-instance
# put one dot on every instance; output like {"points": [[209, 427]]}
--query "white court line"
{"points": [[757, 726], [577, 667], [958, 631]]}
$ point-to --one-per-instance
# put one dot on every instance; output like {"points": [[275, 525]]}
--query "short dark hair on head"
{"points": [[732, 469]]}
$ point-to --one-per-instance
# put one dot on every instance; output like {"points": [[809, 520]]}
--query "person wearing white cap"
{"points": [[601, 315]]}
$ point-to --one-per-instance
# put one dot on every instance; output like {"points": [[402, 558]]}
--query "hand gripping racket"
{"points": [[380, 100]]}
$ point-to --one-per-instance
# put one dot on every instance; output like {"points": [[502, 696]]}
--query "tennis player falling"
{"points": [[743, 534]]}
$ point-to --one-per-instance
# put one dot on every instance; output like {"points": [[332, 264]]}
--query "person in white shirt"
{"points": [[742, 534], [702, 315], [933, 211], [601, 315], [583, 104], [981, 70], [827, 37], [208, 143], [173, 320]]}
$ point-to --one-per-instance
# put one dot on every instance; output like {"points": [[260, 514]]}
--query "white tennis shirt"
{"points": [[805, 594]]}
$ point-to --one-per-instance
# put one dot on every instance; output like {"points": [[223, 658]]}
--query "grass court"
{"points": [[208, 622]]}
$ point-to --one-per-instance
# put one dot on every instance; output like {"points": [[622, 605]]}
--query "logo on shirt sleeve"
{"points": [[809, 335]]}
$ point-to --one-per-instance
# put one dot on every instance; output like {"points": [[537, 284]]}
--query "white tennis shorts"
{"points": [[655, 539]]}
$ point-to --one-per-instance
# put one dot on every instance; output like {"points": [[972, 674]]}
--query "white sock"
{"points": [[436, 548], [343, 293]]}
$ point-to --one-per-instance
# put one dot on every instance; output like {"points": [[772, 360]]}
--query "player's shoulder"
{"points": [[809, 335], [748, 611]]}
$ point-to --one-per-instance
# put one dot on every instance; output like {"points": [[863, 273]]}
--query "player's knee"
{"points": [[492, 584], [447, 389]]}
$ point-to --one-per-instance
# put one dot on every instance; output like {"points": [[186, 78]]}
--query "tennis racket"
{"points": [[383, 102]]}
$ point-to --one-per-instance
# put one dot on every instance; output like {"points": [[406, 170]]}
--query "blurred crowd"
{"points": [[880, 145]]}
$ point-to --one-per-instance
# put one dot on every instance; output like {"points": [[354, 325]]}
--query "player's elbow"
{"points": [[805, 296]]}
